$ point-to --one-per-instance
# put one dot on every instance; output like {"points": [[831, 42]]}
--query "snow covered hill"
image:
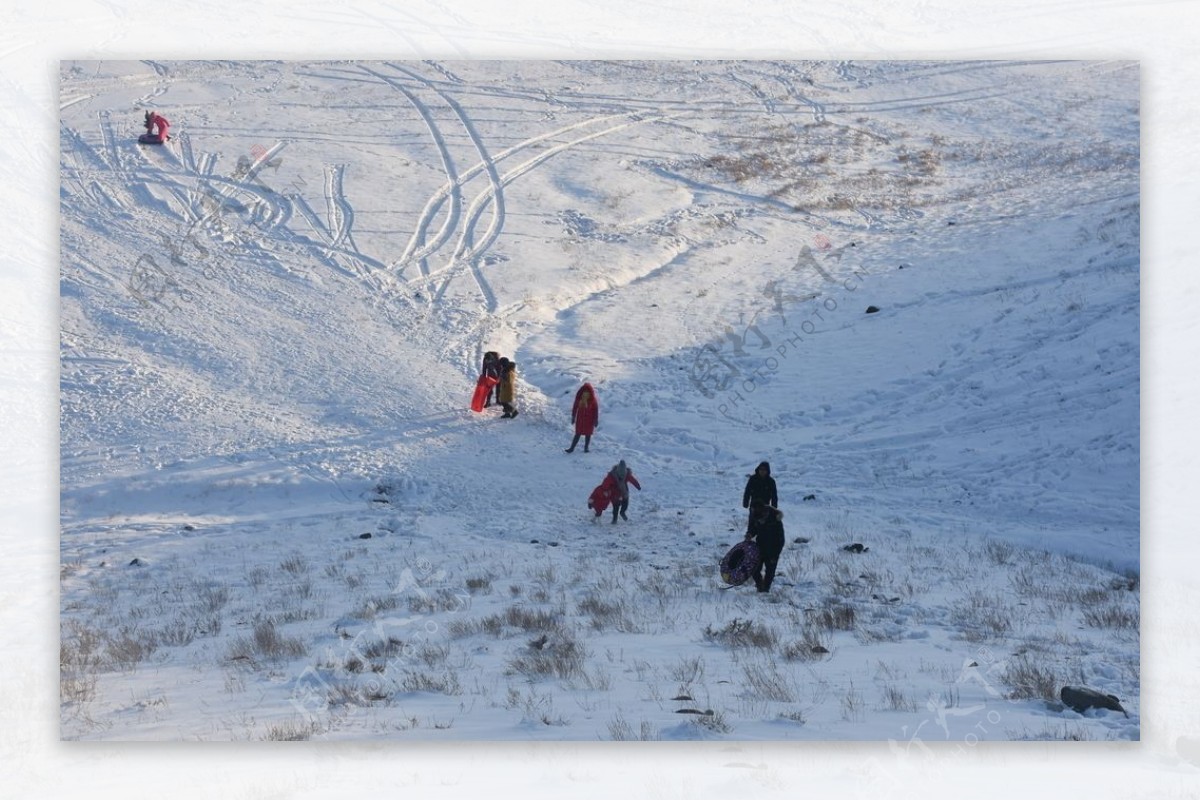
{"points": [[912, 287]]}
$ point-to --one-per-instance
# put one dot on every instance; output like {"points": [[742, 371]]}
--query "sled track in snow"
{"points": [[336, 248], [488, 166], [153, 172], [207, 161], [85, 178], [453, 182], [507, 178], [445, 190], [340, 233], [271, 211], [108, 152], [467, 251], [341, 213]]}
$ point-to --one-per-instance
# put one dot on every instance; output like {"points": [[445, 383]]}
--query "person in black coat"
{"points": [[491, 368], [766, 528], [760, 487]]}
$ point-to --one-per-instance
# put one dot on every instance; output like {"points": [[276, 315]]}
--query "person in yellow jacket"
{"points": [[508, 387]]}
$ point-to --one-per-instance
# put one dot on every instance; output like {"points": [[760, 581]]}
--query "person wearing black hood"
{"points": [[766, 526], [760, 487], [491, 369]]}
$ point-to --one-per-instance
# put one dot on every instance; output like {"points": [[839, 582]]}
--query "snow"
{"points": [[280, 520]]}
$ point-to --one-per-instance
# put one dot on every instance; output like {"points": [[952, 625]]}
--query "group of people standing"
{"points": [[503, 371], [499, 376], [761, 496]]}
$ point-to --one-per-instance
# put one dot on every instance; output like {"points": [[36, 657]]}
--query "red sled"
{"points": [[602, 496], [482, 387]]}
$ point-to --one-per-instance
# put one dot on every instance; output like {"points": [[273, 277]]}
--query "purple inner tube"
{"points": [[740, 563]]}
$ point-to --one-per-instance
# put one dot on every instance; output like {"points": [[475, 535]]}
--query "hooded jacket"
{"points": [[760, 487], [491, 365], [157, 125], [585, 413], [767, 530], [621, 477]]}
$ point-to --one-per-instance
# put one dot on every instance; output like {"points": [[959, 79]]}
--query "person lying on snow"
{"points": [[156, 129]]}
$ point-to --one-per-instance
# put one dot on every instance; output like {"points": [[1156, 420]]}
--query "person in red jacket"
{"points": [[601, 496], [585, 414], [614, 489], [156, 129]]}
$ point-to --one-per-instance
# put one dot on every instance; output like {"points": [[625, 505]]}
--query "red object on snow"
{"points": [[156, 129], [603, 495], [482, 387]]}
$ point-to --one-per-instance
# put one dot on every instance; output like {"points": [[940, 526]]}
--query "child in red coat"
{"points": [[156, 129]]}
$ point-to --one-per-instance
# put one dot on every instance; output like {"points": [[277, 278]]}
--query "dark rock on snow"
{"points": [[1082, 699]]}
